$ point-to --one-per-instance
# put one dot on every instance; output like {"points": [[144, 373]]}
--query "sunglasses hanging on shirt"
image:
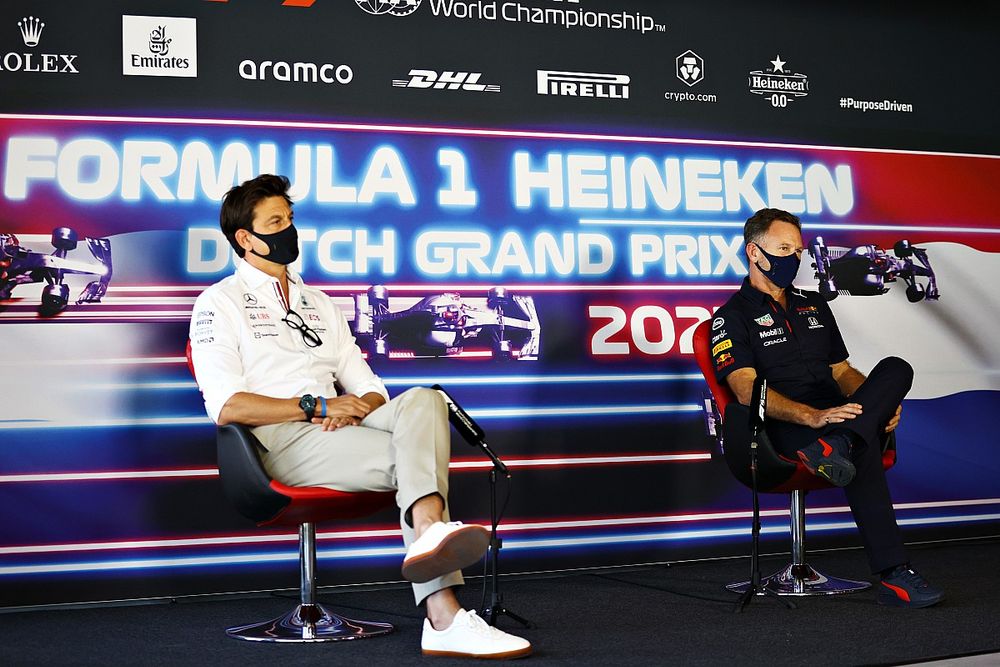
{"points": [[295, 321]]}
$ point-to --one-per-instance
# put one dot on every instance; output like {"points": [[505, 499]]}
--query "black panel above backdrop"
{"points": [[938, 58]]}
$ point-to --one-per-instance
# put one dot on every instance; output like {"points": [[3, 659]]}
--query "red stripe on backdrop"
{"points": [[925, 190], [917, 190], [458, 464]]}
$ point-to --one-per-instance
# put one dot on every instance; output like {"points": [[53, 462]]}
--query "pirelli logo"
{"points": [[724, 345], [583, 84]]}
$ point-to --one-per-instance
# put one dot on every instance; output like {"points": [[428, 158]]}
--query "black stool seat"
{"points": [[268, 502]]}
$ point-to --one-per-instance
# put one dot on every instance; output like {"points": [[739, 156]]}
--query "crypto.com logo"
{"points": [[394, 7], [690, 67]]}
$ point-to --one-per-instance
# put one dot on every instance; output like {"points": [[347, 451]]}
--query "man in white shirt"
{"points": [[268, 351]]}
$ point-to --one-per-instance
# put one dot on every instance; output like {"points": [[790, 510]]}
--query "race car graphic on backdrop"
{"points": [[501, 325], [21, 266], [868, 270]]}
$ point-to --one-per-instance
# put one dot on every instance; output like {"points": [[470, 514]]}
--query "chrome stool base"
{"points": [[803, 580], [309, 623]]}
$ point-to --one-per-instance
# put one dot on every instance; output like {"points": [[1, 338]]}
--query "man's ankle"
{"points": [[420, 527], [441, 622], [889, 571], [843, 439], [441, 611], [426, 512]]}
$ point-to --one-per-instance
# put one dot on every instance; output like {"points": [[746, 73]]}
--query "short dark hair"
{"points": [[758, 223], [238, 204]]}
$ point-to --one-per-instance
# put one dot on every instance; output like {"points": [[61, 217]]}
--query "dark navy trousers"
{"points": [[868, 493]]}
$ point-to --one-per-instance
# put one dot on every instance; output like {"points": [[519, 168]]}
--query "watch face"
{"points": [[308, 405]]}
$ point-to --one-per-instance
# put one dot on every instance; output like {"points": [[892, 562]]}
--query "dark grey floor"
{"points": [[651, 615]]}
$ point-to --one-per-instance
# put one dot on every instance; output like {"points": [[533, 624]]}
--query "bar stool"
{"points": [[268, 502], [775, 474]]}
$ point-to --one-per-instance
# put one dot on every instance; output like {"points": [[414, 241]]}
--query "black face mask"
{"points": [[783, 269], [283, 245]]}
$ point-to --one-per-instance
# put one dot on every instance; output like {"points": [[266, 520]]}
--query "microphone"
{"points": [[467, 427], [758, 404]]}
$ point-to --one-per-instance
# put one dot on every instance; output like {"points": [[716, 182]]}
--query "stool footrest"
{"points": [[309, 623]]}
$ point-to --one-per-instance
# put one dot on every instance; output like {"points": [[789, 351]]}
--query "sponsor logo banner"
{"points": [[159, 46], [31, 29], [296, 72], [778, 84], [568, 14], [583, 84], [875, 105], [447, 80], [690, 68]]}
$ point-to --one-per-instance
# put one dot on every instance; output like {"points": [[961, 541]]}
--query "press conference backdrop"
{"points": [[579, 170]]}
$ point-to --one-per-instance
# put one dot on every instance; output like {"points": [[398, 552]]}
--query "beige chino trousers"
{"points": [[403, 446]]}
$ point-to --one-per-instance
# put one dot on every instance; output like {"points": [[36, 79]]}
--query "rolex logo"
{"points": [[31, 30], [32, 61]]}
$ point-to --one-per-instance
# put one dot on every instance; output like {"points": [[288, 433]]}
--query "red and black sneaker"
{"points": [[826, 457], [904, 587]]}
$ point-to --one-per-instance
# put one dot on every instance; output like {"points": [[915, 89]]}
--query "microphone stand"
{"points": [[754, 588], [495, 606], [475, 436]]}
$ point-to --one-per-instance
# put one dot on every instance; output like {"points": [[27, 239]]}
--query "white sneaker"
{"points": [[444, 548], [469, 636]]}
